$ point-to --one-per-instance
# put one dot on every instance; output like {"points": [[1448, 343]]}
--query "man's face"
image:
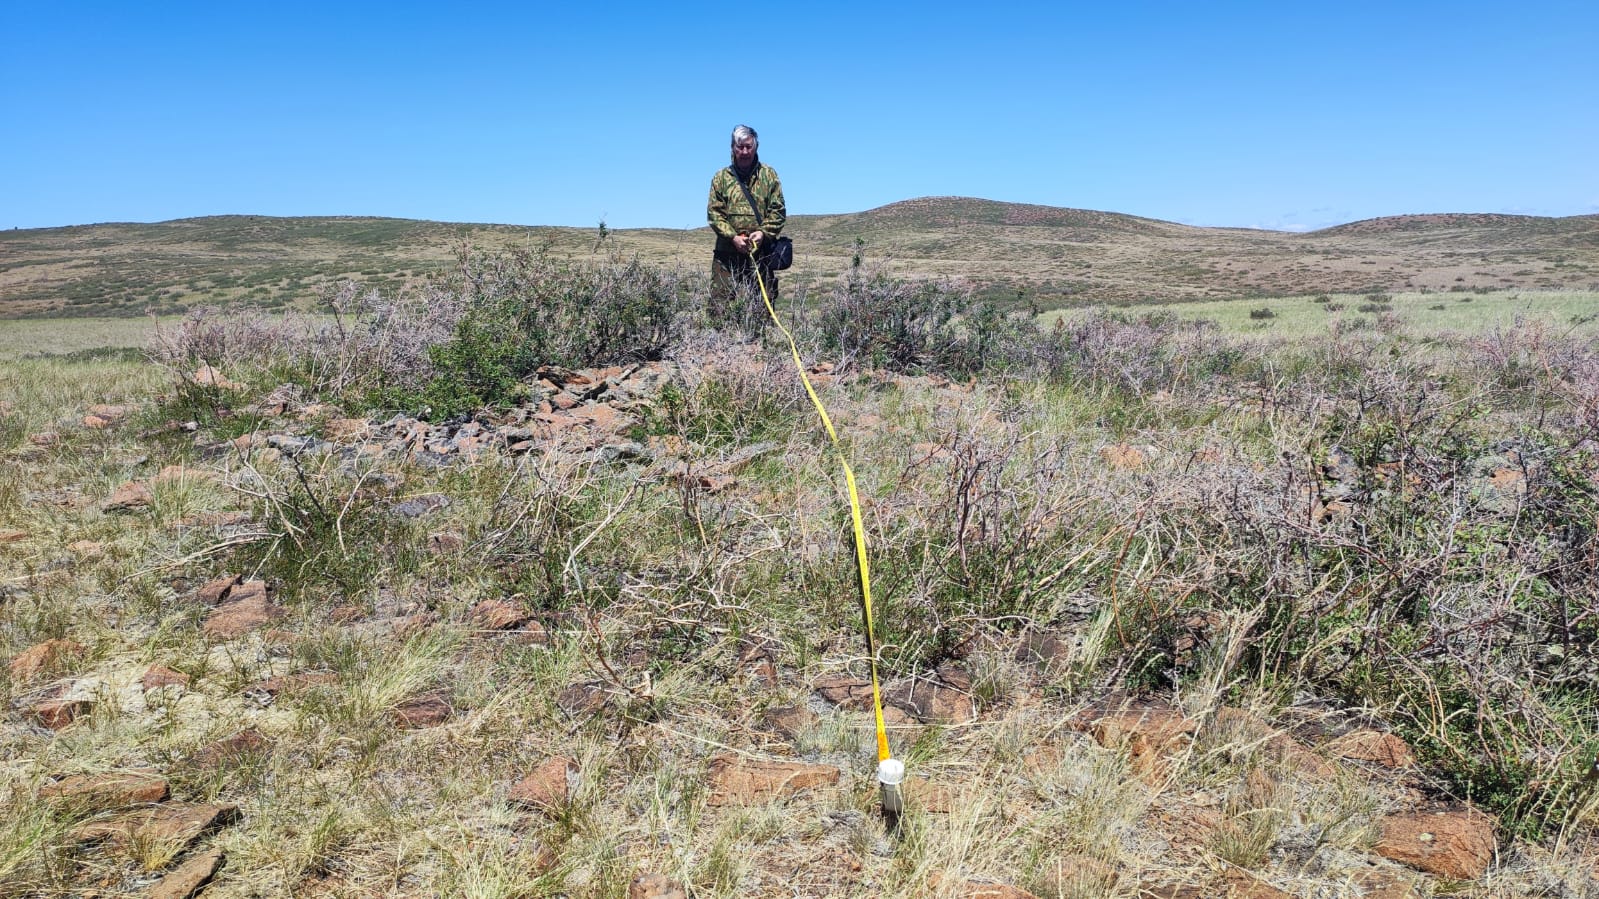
{"points": [[743, 152]]}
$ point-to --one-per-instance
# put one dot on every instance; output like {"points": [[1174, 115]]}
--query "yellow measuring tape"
{"points": [[854, 511]]}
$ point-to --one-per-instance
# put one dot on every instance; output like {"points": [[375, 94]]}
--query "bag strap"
{"points": [[745, 188]]}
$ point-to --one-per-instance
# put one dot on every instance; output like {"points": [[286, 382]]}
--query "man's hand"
{"points": [[741, 242], [755, 239]]}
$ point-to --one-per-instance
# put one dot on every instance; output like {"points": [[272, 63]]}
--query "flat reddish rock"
{"points": [[189, 878], [577, 699], [655, 886], [497, 615], [247, 608], [1457, 844], [108, 791], [229, 750], [10, 535], [56, 714], [1382, 885], [1124, 456], [157, 677], [444, 543], [1240, 884], [789, 720], [182, 473], [87, 549], [346, 614], [429, 710], [546, 788], [736, 780], [170, 824], [1373, 746], [1244, 727], [1152, 735], [947, 699], [845, 692], [130, 497], [43, 658], [214, 591]]}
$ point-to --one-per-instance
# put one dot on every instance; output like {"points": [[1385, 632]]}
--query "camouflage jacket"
{"points": [[729, 212]]}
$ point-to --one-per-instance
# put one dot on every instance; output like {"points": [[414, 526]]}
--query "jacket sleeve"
{"points": [[716, 208], [776, 211]]}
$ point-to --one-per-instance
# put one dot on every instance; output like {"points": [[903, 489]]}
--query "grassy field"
{"points": [[1573, 313], [1015, 253], [1159, 607], [22, 338]]}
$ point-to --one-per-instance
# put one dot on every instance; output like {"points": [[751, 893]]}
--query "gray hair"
{"points": [[745, 131]]}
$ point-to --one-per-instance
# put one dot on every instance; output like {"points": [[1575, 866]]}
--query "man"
{"points": [[737, 225]]}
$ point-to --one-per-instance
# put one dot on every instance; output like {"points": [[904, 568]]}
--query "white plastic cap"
{"points": [[890, 772]]}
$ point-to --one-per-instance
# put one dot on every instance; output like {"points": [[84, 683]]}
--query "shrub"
{"points": [[1263, 312], [920, 326]]}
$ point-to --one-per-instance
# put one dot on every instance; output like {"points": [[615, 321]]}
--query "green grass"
{"points": [[21, 338], [1417, 314]]}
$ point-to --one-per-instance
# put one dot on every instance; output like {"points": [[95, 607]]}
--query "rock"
{"points": [[946, 700], [1123, 456], [172, 824], [1240, 884], [845, 692], [411, 625], [44, 658], [445, 542], [189, 878], [927, 795], [1382, 885], [1508, 480], [427, 710], [736, 780], [1372, 746], [655, 886], [99, 792], [497, 615], [130, 497], [1245, 729], [56, 714], [246, 608], [789, 720], [1076, 874], [346, 614], [12, 536], [206, 376], [87, 549], [231, 750], [347, 429], [180, 473], [214, 591], [1457, 844], [577, 699], [1152, 735], [548, 787], [418, 506], [1046, 651]]}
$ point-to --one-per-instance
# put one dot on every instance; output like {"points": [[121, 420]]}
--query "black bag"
{"points": [[778, 254]]}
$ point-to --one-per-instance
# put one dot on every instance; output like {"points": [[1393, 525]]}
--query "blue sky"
{"points": [[1276, 115]]}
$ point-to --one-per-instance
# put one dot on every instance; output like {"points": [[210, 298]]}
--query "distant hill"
{"points": [[1043, 255]]}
